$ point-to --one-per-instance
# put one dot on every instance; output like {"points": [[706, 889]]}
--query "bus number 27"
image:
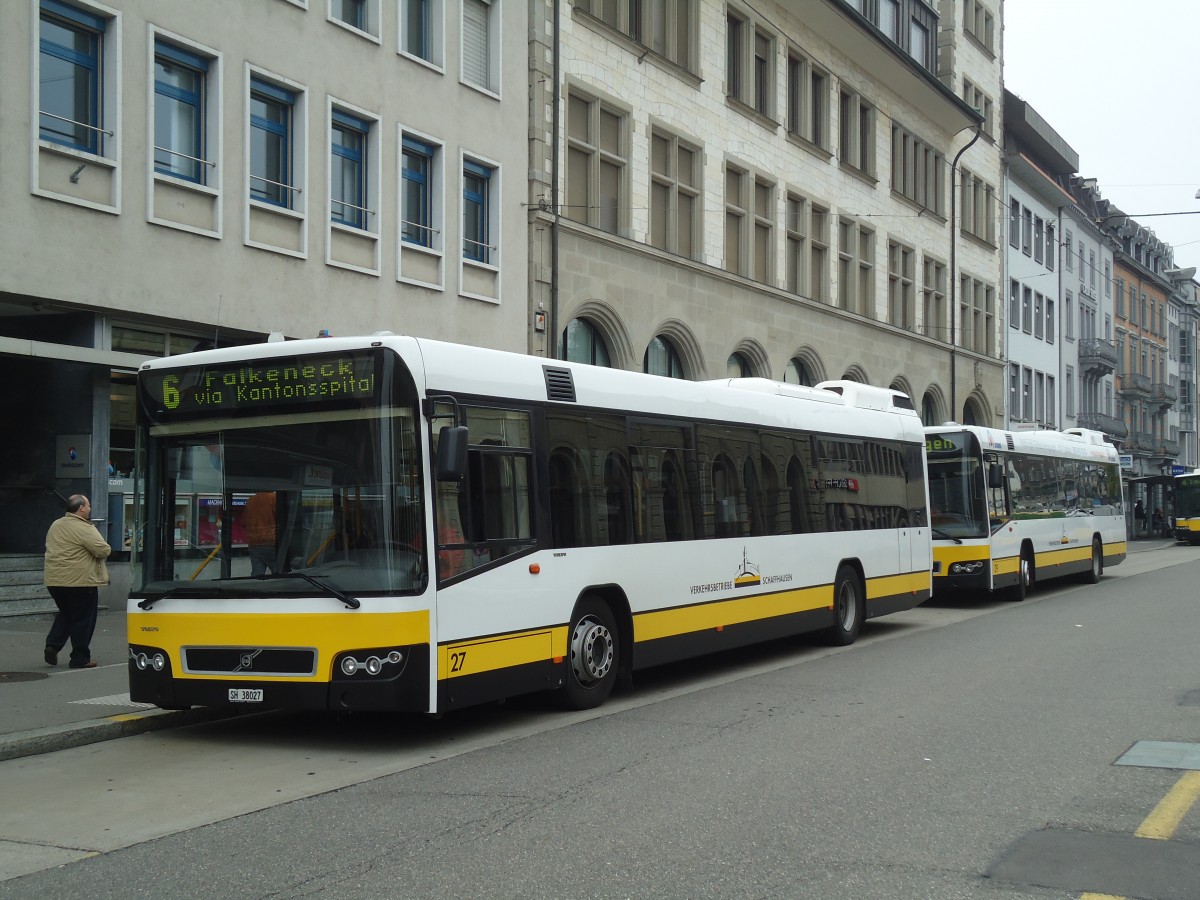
{"points": [[457, 659]]}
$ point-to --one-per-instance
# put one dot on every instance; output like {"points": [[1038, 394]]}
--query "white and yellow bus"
{"points": [[1187, 507], [421, 525], [1010, 508]]}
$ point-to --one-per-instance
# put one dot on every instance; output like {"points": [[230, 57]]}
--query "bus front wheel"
{"points": [[849, 608], [592, 656], [1025, 576]]}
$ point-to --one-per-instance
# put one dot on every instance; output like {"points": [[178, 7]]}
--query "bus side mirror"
{"points": [[452, 453], [995, 477]]}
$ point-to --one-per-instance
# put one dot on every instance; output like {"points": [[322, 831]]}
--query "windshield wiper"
{"points": [[937, 532], [153, 597], [351, 602]]}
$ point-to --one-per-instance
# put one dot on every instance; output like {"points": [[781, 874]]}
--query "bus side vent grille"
{"points": [[1008, 438], [559, 384]]}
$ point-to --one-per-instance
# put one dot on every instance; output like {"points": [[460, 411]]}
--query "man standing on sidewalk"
{"points": [[75, 569]]}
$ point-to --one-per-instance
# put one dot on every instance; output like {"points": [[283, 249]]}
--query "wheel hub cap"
{"points": [[591, 651]]}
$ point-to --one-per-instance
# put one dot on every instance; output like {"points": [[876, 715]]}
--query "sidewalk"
{"points": [[45, 708]]}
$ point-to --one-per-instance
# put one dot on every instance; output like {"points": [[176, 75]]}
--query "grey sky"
{"points": [[1118, 82]]}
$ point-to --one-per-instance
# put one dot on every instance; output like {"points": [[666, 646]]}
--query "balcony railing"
{"points": [[1135, 384], [1142, 442], [1097, 355], [1164, 394], [1110, 425]]}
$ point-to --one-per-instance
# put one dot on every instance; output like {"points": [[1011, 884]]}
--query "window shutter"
{"points": [[475, 42]]}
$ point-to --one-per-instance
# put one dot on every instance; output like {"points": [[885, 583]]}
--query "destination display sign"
{"points": [[258, 387], [943, 445]]}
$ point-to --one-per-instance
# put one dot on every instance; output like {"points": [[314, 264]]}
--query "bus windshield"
{"points": [[1187, 496], [957, 507], [282, 503]]}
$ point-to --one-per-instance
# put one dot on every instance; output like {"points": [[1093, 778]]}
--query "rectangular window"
{"points": [[1026, 231], [750, 63], [674, 194], [795, 226], [856, 132], [1070, 391], [596, 163], [1107, 278], [1014, 224], [1014, 391], [918, 42], [808, 100], [856, 268], [1069, 252], [981, 103], [901, 285], [180, 83], [977, 312], [980, 24], [1027, 394], [418, 177], [348, 170], [764, 231], [1027, 311], [477, 212], [933, 299], [421, 29], [272, 169], [818, 243], [736, 204], [480, 25], [1038, 313], [663, 26], [1069, 317], [978, 211], [918, 171], [1092, 268], [1051, 403], [71, 70], [1014, 303], [1049, 320], [1051, 248], [350, 12], [1039, 237]]}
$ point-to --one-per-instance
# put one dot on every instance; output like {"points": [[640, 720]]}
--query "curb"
{"points": [[78, 734]]}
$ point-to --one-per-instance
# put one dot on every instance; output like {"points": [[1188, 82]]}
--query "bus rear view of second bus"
{"points": [[1011, 508]]}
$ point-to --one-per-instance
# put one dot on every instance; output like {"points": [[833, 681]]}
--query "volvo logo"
{"points": [[247, 660]]}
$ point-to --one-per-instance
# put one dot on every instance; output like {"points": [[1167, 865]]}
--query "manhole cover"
{"points": [[12, 677]]}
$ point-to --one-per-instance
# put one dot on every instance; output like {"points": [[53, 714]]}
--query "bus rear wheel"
{"points": [[1092, 575], [592, 656], [849, 608]]}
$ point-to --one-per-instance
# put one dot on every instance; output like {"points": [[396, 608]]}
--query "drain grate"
{"points": [[14, 677]]}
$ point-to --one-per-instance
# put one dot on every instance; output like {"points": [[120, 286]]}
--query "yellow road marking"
{"points": [[1165, 818]]}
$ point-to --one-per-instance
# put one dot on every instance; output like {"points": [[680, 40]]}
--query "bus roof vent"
{"points": [[559, 384], [1008, 438]]}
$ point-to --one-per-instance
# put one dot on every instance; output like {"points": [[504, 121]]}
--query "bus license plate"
{"points": [[245, 695]]}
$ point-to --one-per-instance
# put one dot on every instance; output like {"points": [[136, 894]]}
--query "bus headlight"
{"points": [[373, 663], [966, 568]]}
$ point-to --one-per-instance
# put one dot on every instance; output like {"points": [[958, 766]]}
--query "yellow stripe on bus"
{"points": [[665, 623], [500, 652], [956, 553], [328, 633]]}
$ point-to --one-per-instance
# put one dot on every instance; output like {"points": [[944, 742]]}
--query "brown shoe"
{"points": [[50, 655], [90, 664]]}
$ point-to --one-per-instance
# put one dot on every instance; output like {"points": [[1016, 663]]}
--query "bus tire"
{"points": [[593, 655], [1092, 575], [1025, 577], [849, 608]]}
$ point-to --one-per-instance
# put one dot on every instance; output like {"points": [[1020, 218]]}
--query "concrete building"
{"points": [[1042, 340], [766, 189], [177, 174]]}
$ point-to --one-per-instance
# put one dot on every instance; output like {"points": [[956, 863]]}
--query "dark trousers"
{"points": [[76, 619]]}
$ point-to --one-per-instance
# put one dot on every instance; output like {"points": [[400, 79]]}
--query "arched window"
{"points": [[797, 485], [616, 497], [737, 367], [797, 373], [662, 359], [929, 411], [582, 342]]}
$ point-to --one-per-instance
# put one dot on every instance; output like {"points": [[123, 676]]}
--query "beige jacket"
{"points": [[75, 554]]}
